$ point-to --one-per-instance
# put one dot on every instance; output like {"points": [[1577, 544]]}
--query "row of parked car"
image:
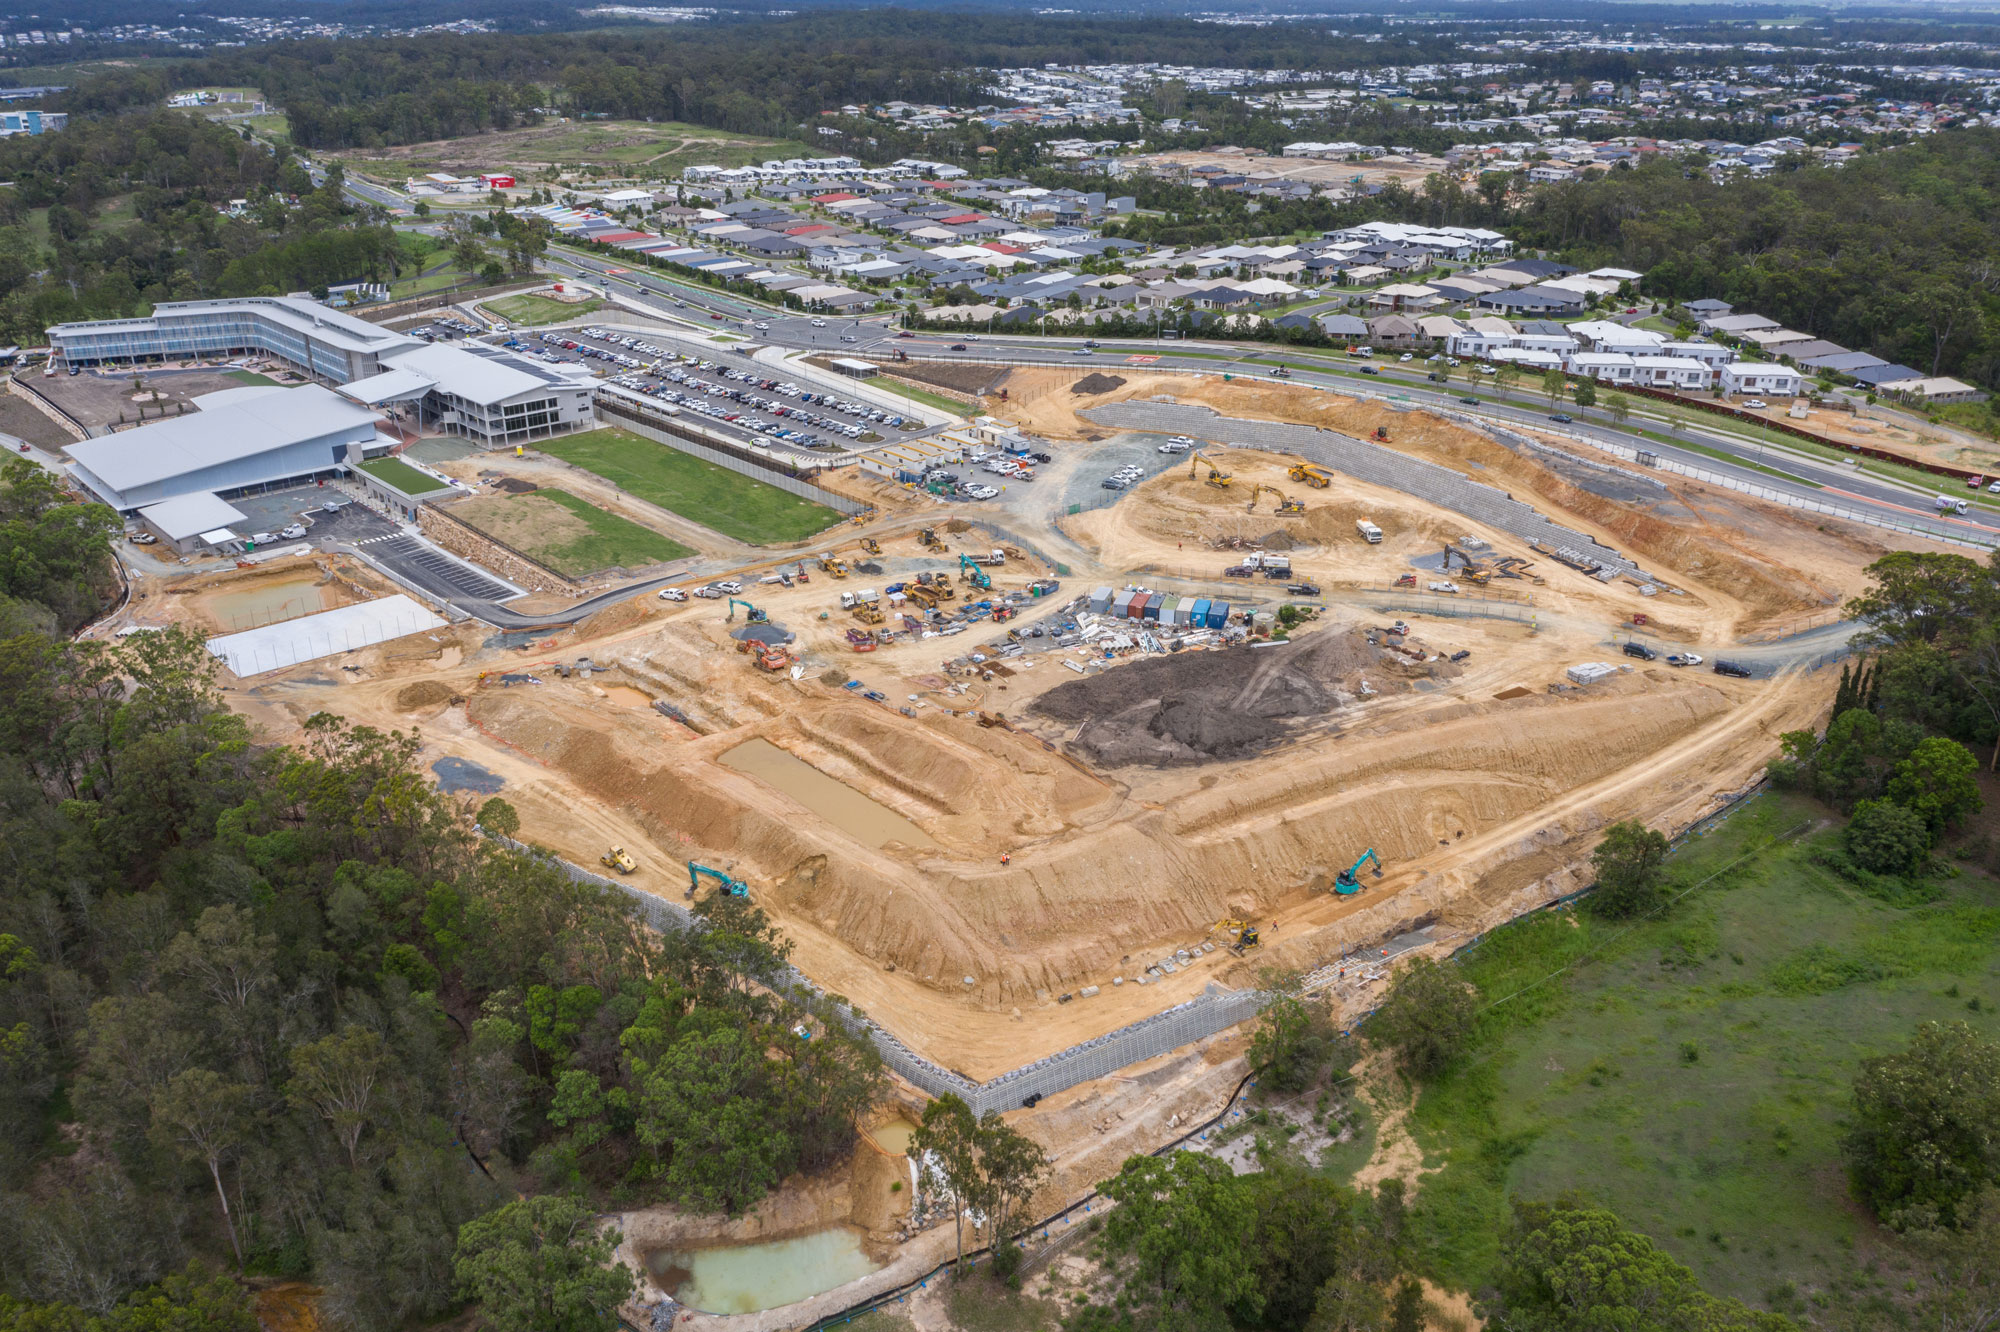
{"points": [[1645, 653], [1123, 478], [728, 587], [1178, 444]]}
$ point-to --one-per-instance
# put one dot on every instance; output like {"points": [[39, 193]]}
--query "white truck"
{"points": [[1947, 504], [1369, 532]]}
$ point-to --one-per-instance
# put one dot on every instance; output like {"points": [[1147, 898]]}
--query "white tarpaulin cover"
{"points": [[276, 646]]}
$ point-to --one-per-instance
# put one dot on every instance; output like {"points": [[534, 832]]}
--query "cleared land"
{"points": [[395, 472], [644, 150], [1693, 1074], [703, 492], [530, 309], [570, 535]]}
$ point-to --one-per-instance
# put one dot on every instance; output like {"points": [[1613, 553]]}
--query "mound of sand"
{"points": [[422, 694], [1194, 707]]}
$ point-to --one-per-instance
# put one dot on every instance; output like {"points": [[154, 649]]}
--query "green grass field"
{"points": [[397, 473], [924, 396], [249, 377], [539, 309], [1691, 1073], [702, 492]]}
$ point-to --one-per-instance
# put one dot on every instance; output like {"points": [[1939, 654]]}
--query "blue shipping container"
{"points": [[1218, 614]]}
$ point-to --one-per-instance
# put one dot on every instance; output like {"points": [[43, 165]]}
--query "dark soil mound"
{"points": [[1096, 383], [1195, 706]]}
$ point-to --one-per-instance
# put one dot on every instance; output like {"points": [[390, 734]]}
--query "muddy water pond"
{"points": [[893, 1137], [627, 696], [268, 603], [859, 816], [744, 1278]]}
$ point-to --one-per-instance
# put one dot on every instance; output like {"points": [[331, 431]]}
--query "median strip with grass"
{"points": [[702, 492]]}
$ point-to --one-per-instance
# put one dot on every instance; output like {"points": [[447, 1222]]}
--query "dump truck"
{"points": [[1369, 532], [1311, 475]]}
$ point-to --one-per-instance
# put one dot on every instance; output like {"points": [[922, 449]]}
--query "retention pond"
{"points": [[747, 1277], [859, 816]]}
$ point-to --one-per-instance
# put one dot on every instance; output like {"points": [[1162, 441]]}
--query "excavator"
{"points": [[871, 545], [970, 572], [929, 539], [1216, 476], [1244, 936], [1346, 884], [752, 613], [1311, 475], [775, 660], [1286, 504], [723, 883], [619, 859], [1475, 571]]}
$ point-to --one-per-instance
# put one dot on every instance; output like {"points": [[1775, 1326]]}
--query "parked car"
{"points": [[1731, 668], [1641, 651], [141, 538], [672, 594], [1755, 404], [732, 586], [293, 532], [1684, 659]]}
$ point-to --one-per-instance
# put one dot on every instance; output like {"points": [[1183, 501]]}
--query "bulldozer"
{"points": [[929, 539], [1243, 936], [871, 545], [1216, 476], [867, 613], [619, 859], [1286, 504], [1311, 475]]}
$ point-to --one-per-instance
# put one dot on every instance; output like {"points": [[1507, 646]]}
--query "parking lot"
{"points": [[739, 396]]}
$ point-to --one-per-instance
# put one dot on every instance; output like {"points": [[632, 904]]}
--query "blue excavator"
{"points": [[1346, 884], [970, 571], [725, 884], [755, 614]]}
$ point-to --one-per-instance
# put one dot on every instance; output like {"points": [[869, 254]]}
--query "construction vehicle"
{"points": [[1286, 504], [1242, 936], [1475, 570], [939, 585], [1346, 884], [871, 545], [752, 613], [1216, 476], [929, 538], [1382, 433], [1310, 474], [970, 572], [868, 613], [800, 573], [619, 859], [922, 595], [832, 565], [774, 660], [1406, 580], [723, 883]]}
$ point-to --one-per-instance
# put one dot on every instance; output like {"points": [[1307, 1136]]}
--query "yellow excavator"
{"points": [[1311, 475], [871, 545], [1216, 476], [1242, 936], [930, 540], [1286, 504]]}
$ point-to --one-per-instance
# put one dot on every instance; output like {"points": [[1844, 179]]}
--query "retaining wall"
{"points": [[469, 542]]}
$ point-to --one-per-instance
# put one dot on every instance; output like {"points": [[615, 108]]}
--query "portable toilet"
{"points": [[1100, 600], [1121, 604], [1137, 610], [1197, 616], [1218, 614], [1169, 610]]}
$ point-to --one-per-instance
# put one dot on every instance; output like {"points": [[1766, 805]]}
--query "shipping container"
{"points": [[1218, 614], [1121, 605], [1167, 611], [1197, 616], [1100, 600], [1137, 610]]}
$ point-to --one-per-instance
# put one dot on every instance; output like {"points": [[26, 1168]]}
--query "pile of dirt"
{"points": [[422, 694], [1193, 707], [1094, 383], [620, 615]]}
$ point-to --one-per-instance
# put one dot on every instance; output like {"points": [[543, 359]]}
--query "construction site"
{"points": [[1017, 777]]}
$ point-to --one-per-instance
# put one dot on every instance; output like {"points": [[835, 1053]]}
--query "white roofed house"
{"points": [[1761, 377], [1604, 367], [1680, 373]]}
